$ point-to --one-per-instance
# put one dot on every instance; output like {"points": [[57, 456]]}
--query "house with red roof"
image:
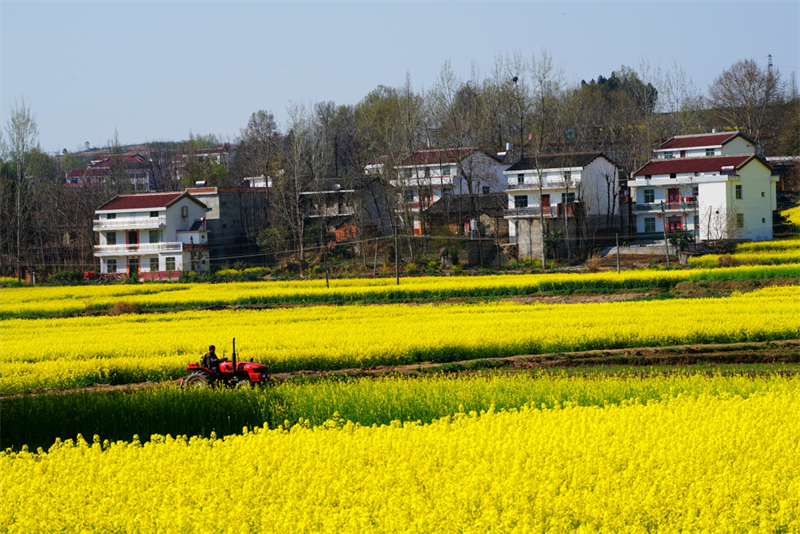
{"points": [[428, 175], [101, 170], [152, 235], [705, 145], [728, 193]]}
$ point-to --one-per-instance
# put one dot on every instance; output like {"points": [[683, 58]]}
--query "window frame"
{"points": [[109, 263], [737, 192], [113, 240], [169, 263], [649, 225], [153, 261], [520, 199], [651, 194]]}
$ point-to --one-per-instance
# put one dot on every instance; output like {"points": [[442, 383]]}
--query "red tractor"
{"points": [[230, 373]]}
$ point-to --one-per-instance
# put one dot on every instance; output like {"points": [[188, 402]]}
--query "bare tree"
{"points": [[747, 97], [546, 81], [22, 134]]}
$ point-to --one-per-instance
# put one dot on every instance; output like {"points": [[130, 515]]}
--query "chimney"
{"points": [[508, 147]]}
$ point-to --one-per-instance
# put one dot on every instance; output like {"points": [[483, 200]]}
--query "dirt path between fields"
{"points": [[770, 352]]}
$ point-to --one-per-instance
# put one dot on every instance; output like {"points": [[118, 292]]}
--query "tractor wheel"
{"points": [[197, 380]]}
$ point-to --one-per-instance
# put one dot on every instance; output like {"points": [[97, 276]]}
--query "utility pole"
{"points": [[396, 260], [666, 243], [617, 253]]}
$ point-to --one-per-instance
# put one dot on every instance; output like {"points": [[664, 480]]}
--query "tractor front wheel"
{"points": [[197, 380]]}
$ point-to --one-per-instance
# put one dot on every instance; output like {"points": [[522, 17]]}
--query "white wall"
{"points": [[737, 146]]}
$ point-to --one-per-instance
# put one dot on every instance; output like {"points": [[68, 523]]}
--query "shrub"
{"points": [[411, 268], [727, 260], [123, 307]]}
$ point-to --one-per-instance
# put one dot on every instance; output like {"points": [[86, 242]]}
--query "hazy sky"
{"points": [[157, 70]]}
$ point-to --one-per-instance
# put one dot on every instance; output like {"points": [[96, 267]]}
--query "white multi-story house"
{"points": [[584, 186], [428, 175], [705, 145], [154, 235], [713, 185]]}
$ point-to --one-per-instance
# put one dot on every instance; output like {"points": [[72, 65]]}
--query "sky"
{"points": [[160, 70]]}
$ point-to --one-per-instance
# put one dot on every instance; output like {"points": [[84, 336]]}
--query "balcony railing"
{"points": [[130, 222], [332, 212], [517, 187], [141, 248], [668, 206], [527, 212], [553, 210]]}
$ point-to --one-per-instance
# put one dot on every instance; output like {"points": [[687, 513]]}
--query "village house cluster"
{"points": [[708, 184]]}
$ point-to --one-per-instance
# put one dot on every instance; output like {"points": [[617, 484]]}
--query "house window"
{"points": [[763, 220], [447, 191], [445, 170], [111, 216], [111, 238], [153, 236], [520, 201], [153, 214], [650, 224], [170, 263], [709, 152], [427, 172], [407, 173], [410, 196], [740, 220], [668, 155], [695, 191], [673, 175], [153, 265], [111, 266], [485, 189], [738, 192], [520, 179], [762, 194], [570, 198], [567, 175], [649, 196]]}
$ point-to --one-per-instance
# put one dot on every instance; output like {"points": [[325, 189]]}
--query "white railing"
{"points": [[142, 248], [130, 222], [332, 212]]}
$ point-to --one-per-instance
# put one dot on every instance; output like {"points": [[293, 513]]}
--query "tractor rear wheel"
{"points": [[197, 380]]}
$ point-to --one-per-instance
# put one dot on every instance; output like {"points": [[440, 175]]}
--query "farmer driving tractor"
{"points": [[213, 370], [210, 359]]}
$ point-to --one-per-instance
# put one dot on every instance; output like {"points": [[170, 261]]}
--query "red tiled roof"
{"points": [[87, 173], [701, 140], [141, 201], [438, 155], [684, 165]]}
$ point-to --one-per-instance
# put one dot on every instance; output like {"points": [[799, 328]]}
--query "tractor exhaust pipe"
{"points": [[234, 356]]}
